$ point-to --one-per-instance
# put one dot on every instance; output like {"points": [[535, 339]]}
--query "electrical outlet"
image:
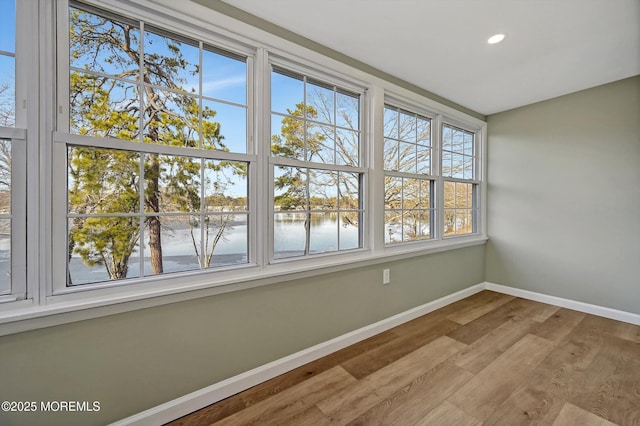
{"points": [[386, 276]]}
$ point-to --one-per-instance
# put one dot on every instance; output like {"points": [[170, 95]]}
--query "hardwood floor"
{"points": [[490, 359]]}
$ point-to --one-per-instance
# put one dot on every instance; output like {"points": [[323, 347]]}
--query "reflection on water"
{"points": [[328, 233]]}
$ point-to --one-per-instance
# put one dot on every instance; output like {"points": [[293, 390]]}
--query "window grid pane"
{"points": [[191, 213], [183, 94], [409, 210], [458, 153], [460, 208], [315, 210], [313, 121], [408, 141], [133, 214], [8, 63]]}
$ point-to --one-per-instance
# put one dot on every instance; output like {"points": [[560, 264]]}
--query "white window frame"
{"points": [[18, 269], [25, 65], [431, 177], [438, 240], [341, 82], [62, 138], [46, 103], [476, 181]]}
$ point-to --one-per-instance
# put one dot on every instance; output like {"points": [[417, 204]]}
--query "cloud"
{"points": [[210, 88]]}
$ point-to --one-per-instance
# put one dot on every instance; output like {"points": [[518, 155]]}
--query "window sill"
{"points": [[25, 315]]}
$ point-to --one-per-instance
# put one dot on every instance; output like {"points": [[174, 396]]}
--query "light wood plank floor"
{"points": [[490, 359]]}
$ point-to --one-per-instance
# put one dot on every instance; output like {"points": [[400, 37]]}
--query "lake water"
{"points": [[328, 233]]}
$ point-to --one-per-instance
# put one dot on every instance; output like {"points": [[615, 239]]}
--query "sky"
{"points": [[7, 25], [7, 50]]}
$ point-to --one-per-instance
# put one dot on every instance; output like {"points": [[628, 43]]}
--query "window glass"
{"points": [[458, 153], [161, 100], [133, 213], [224, 76], [314, 123], [7, 119], [7, 63], [458, 163], [459, 208], [409, 208]]}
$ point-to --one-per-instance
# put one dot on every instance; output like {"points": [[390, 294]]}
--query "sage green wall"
{"points": [[136, 360], [564, 196]]}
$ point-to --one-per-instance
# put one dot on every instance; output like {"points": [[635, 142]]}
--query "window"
{"points": [[156, 160], [153, 153], [316, 160], [408, 185], [460, 185], [7, 119]]}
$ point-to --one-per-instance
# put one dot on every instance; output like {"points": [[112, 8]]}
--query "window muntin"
{"points": [[313, 121], [408, 185], [316, 158], [134, 210], [460, 208], [154, 91], [315, 211], [461, 184], [197, 205], [408, 209]]}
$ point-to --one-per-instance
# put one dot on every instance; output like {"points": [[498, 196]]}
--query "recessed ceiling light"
{"points": [[496, 38]]}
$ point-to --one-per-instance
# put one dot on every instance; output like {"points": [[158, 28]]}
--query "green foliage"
{"points": [[309, 189], [108, 182], [297, 136], [296, 140]]}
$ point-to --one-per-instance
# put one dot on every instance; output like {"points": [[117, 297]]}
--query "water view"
{"points": [[328, 233]]}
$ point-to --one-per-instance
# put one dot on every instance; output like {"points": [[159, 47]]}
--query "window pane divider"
{"points": [[461, 180], [155, 86], [395, 173], [148, 148], [12, 133], [283, 161]]}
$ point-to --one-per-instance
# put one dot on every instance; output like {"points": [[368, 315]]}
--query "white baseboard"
{"points": [[588, 308], [201, 398]]}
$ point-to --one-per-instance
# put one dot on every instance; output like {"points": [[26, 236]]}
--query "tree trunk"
{"points": [[155, 245], [153, 222], [119, 270]]}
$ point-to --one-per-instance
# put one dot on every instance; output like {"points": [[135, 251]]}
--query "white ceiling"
{"points": [[553, 47]]}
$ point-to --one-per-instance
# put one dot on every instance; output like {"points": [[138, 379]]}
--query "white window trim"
{"points": [[43, 309], [343, 82], [479, 178], [58, 289], [410, 107], [22, 157]]}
